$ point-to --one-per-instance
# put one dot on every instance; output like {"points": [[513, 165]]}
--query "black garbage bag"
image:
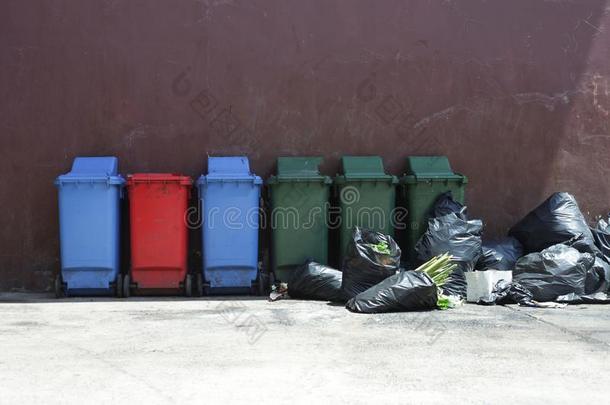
{"points": [[554, 221], [315, 281], [500, 255], [598, 277], [404, 291], [596, 285], [601, 236], [594, 298], [365, 264], [489, 259], [506, 292], [458, 237], [445, 204], [556, 271]]}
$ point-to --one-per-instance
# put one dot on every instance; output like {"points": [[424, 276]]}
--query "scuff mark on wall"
{"points": [[548, 101]]}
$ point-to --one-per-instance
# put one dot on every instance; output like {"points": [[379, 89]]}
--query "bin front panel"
{"points": [[159, 234], [299, 225], [230, 232], [89, 234]]}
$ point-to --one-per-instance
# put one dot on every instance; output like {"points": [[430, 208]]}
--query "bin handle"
{"points": [[375, 179]]}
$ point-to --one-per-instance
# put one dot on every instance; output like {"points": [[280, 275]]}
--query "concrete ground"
{"points": [[172, 350]]}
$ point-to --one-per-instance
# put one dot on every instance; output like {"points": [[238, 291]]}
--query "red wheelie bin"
{"points": [[159, 233]]}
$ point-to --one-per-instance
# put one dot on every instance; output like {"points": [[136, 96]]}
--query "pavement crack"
{"points": [[581, 336]]}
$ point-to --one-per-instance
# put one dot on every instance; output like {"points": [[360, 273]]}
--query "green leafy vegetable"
{"points": [[443, 302], [381, 248], [438, 269]]}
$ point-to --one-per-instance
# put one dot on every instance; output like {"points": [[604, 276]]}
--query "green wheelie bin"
{"points": [[426, 178], [299, 197], [367, 197]]}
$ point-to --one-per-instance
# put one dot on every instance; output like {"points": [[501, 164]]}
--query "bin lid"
{"points": [[364, 168], [158, 178], [430, 168], [95, 165], [229, 168], [93, 170], [299, 169]]}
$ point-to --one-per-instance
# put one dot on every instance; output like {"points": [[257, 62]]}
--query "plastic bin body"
{"points": [[426, 178], [230, 197], [367, 197], [89, 225], [299, 202], [159, 233]]}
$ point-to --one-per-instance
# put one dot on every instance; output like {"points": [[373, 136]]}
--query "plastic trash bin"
{"points": [[230, 196], [89, 224], [426, 178], [367, 197], [159, 234], [299, 213]]}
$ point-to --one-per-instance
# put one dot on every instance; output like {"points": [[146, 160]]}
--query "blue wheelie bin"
{"points": [[230, 196], [89, 221]]}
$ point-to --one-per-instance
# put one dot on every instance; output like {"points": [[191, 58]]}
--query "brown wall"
{"points": [[515, 92]]}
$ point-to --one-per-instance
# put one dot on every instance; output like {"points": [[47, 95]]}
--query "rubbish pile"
{"points": [[549, 259], [554, 256]]}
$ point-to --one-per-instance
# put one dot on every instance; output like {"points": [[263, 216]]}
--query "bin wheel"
{"points": [[126, 286], [206, 289], [188, 286], [119, 286], [199, 285], [58, 287]]}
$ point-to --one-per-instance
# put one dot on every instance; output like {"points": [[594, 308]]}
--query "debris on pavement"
{"points": [[506, 292], [278, 292]]}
